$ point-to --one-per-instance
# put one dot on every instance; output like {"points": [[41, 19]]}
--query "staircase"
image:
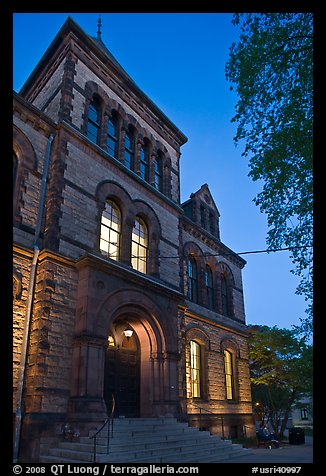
{"points": [[146, 440]]}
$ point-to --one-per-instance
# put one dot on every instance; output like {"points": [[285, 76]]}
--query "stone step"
{"points": [[162, 453], [136, 437], [152, 440], [135, 428], [140, 442]]}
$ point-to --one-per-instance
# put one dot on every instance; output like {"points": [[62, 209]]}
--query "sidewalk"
{"points": [[285, 454]]}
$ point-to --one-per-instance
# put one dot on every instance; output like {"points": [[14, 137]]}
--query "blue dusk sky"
{"points": [[178, 60]]}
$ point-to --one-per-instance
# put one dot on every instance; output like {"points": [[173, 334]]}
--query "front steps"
{"points": [[146, 440]]}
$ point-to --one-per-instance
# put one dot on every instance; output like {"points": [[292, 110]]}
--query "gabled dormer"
{"points": [[202, 210]]}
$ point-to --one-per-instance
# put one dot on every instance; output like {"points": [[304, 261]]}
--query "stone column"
{"points": [[86, 401]]}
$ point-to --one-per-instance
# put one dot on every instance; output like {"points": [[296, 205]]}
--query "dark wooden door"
{"points": [[122, 379]]}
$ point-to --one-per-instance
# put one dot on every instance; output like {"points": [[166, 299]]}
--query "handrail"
{"points": [[212, 413], [110, 429]]}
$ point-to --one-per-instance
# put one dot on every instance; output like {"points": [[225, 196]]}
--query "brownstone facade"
{"points": [[73, 302]]}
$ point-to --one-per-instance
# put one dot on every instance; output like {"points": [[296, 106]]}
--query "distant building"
{"points": [[103, 248], [302, 415]]}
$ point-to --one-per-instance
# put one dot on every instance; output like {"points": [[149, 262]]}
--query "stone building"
{"points": [[103, 248]]}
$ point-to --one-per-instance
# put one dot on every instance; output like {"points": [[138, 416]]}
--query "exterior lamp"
{"points": [[128, 333]]}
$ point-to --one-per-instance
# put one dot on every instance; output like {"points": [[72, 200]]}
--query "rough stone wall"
{"points": [[48, 371], [21, 268], [49, 96]]}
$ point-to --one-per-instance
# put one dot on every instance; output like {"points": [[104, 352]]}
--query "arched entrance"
{"points": [[141, 372], [122, 371]]}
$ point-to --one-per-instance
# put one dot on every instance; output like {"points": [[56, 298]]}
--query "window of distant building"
{"points": [[129, 154], [93, 123], [195, 365], [192, 279], [112, 137], [110, 230], [139, 246], [304, 413], [228, 368], [209, 287]]}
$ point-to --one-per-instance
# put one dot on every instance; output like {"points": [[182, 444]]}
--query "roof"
{"points": [[104, 54]]}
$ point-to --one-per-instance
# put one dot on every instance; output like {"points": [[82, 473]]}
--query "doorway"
{"points": [[122, 376]]}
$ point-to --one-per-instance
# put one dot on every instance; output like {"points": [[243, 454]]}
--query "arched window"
{"points": [[110, 230], [224, 296], [228, 369], [144, 162], [139, 246], [192, 279], [195, 365], [129, 150], [93, 123], [158, 182], [209, 287], [112, 137]]}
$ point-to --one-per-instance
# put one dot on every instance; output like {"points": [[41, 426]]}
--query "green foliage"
{"points": [[272, 68], [280, 371]]}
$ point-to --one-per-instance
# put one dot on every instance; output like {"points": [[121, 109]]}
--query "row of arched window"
{"points": [[213, 289], [198, 379], [123, 142]]}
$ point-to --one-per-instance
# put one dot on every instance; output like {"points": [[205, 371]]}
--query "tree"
{"points": [[281, 373], [272, 68]]}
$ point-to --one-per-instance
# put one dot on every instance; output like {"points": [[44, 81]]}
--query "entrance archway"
{"points": [[121, 390], [151, 357]]}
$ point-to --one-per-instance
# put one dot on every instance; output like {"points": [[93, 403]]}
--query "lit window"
{"points": [[93, 124], [228, 374], [110, 230], [112, 138], [192, 279], [129, 151], [111, 342], [209, 287], [195, 363], [139, 246]]}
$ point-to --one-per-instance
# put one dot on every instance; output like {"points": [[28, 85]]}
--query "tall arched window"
{"points": [[144, 162], [158, 181], [93, 123], [129, 154], [112, 137], [228, 369], [195, 365], [209, 287], [110, 230], [224, 296], [192, 279], [139, 246]]}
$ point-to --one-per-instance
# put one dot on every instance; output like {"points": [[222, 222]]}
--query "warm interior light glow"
{"points": [[128, 333]]}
